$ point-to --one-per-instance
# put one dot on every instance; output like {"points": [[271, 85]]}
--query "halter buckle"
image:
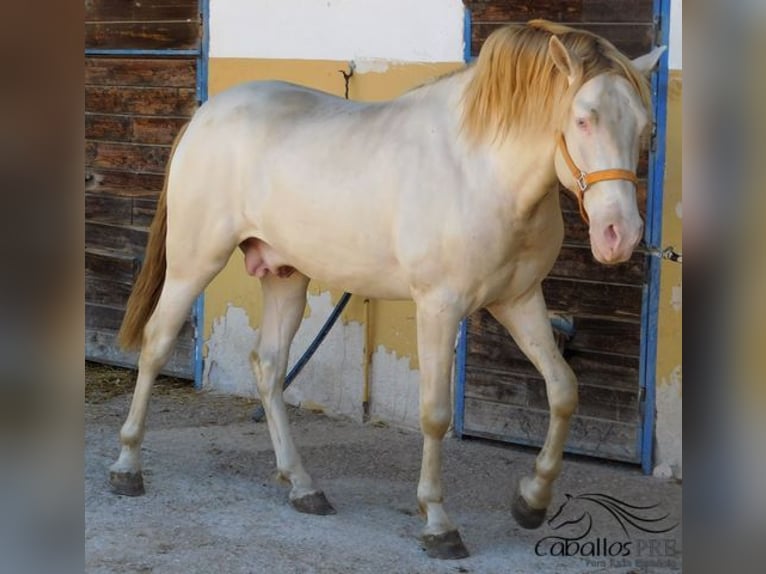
{"points": [[581, 183]]}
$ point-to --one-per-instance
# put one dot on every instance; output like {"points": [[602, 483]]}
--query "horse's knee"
{"points": [[562, 393], [155, 349], [435, 419]]}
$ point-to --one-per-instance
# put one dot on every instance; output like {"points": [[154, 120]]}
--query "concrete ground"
{"points": [[212, 503]]}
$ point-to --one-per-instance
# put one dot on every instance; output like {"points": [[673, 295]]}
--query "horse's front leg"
{"points": [[437, 323], [527, 321]]}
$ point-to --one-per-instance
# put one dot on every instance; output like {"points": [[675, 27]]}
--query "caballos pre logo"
{"points": [[574, 525]]}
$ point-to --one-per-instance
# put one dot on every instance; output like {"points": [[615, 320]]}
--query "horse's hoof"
{"points": [[525, 515], [127, 483], [445, 546], [313, 503]]}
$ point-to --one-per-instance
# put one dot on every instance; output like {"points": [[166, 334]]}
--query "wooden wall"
{"points": [[134, 107], [505, 396]]}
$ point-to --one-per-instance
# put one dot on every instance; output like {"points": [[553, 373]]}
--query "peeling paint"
{"points": [[331, 381], [333, 378], [675, 298], [668, 454], [395, 390], [372, 65], [227, 365]]}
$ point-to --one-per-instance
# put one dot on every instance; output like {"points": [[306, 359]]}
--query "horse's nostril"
{"points": [[611, 236]]}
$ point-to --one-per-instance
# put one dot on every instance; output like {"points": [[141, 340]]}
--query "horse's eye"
{"points": [[582, 123]]}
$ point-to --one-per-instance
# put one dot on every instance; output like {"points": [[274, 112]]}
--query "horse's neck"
{"points": [[524, 167], [519, 169]]}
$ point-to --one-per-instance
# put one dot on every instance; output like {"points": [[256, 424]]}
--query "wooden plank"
{"points": [[146, 72], [577, 262], [116, 128], [593, 298], [570, 11], [587, 435], [109, 318], [118, 182], [108, 208], [103, 317], [490, 341], [611, 371], [614, 404], [132, 11], [103, 291], [129, 157], [142, 101], [632, 39], [101, 346], [523, 10], [590, 367], [127, 240], [490, 347], [104, 263], [607, 336], [144, 210], [155, 130], [142, 35]]}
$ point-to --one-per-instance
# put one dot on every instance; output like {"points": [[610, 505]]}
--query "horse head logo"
{"points": [[575, 510]]}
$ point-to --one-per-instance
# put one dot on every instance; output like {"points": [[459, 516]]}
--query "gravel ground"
{"points": [[213, 505]]}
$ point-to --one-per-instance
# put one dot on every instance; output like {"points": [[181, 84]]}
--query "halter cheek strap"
{"points": [[586, 180]]}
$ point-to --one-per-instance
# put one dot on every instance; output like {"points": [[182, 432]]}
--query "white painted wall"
{"points": [[331, 380], [395, 30], [675, 48]]}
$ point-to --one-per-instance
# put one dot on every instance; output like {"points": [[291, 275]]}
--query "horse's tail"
{"points": [[146, 292]]}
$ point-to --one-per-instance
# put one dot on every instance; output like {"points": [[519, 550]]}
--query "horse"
{"points": [[448, 197]]}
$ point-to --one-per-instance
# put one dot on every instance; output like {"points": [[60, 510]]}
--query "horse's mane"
{"points": [[517, 85]]}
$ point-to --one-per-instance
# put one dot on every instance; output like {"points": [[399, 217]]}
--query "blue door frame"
{"points": [[202, 54], [202, 94], [652, 238]]}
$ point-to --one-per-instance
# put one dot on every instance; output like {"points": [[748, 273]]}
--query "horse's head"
{"points": [[598, 144]]}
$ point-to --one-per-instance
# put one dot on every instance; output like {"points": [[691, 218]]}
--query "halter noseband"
{"points": [[586, 180]]}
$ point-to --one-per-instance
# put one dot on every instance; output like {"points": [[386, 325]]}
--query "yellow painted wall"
{"points": [[668, 452], [392, 322], [669, 352]]}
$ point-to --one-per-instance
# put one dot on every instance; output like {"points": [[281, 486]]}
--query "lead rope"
{"points": [[669, 254], [259, 414]]}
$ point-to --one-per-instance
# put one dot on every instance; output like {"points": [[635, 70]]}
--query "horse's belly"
{"points": [[262, 259]]}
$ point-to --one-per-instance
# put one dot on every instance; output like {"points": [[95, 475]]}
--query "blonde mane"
{"points": [[516, 85]]}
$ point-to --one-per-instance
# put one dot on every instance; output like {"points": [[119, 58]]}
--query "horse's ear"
{"points": [[646, 63], [562, 59]]}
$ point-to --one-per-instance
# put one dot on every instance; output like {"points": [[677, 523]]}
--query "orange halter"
{"points": [[585, 180]]}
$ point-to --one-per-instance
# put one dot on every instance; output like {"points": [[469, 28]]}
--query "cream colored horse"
{"points": [[446, 196]]}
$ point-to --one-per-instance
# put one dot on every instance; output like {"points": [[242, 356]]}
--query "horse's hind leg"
{"points": [[179, 290], [284, 300], [527, 321]]}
